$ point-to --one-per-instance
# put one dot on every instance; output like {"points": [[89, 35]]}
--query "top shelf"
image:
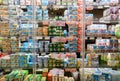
{"points": [[62, 6]]}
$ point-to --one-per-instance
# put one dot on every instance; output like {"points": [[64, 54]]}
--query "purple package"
{"points": [[114, 16], [114, 10]]}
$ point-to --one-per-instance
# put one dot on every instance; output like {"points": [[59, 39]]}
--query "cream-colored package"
{"points": [[64, 2], [38, 2], [58, 2], [1, 1], [5, 2]]}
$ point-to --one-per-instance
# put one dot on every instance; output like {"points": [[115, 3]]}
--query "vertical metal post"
{"points": [[33, 37], [83, 38]]}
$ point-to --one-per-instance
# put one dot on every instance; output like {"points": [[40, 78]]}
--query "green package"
{"points": [[43, 79]]}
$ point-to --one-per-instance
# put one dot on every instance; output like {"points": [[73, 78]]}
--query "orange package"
{"points": [[79, 26], [79, 47], [45, 31], [80, 9], [80, 2], [79, 16], [79, 32], [3, 78], [79, 41]]}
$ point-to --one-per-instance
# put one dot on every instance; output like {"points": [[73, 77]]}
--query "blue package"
{"points": [[73, 13], [45, 11], [30, 40], [107, 76], [45, 2], [73, 49], [87, 32], [95, 31], [39, 11], [17, 2], [29, 7], [73, 8], [29, 17], [95, 47], [101, 47], [39, 17], [111, 32]]}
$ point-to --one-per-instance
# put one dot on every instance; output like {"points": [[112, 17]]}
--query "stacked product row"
{"points": [[93, 74], [26, 60], [101, 74], [9, 45], [57, 44], [45, 75], [104, 45], [39, 2]]}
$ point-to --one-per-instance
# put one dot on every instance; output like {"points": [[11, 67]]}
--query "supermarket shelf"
{"points": [[37, 37], [71, 21], [96, 37], [66, 6], [105, 22], [102, 52], [102, 67], [49, 20], [40, 69], [60, 6], [104, 36]]}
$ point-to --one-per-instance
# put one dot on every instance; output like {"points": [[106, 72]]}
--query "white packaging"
{"points": [[28, 2], [106, 12], [38, 2], [22, 2], [11, 2], [5, 2], [58, 2]]}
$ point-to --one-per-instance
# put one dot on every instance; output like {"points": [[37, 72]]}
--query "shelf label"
{"points": [[47, 38], [39, 37], [100, 7], [7, 70], [106, 6], [92, 38], [23, 6]]}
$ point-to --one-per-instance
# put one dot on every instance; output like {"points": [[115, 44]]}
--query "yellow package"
{"points": [[1, 1], [2, 79]]}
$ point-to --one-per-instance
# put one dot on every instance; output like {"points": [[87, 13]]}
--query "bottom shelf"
{"points": [[90, 74]]}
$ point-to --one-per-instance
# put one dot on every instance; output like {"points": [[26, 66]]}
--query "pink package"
{"points": [[114, 16], [22, 2], [114, 10]]}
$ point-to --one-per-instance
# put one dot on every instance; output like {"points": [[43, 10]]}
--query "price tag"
{"points": [[114, 37], [100, 7], [44, 7], [39, 69], [106, 6], [47, 38], [91, 38], [119, 40], [43, 54], [39, 37], [7, 70], [99, 37], [107, 21], [23, 6]]}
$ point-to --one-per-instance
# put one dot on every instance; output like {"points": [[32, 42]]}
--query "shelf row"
{"points": [[59, 60], [65, 75]]}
